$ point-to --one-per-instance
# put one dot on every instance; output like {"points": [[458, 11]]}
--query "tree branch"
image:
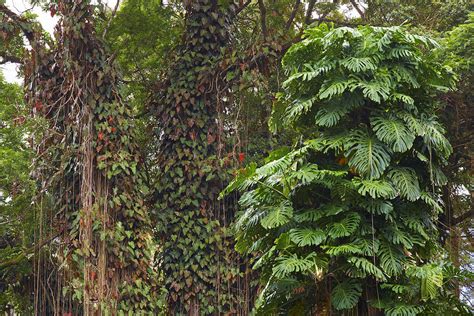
{"points": [[242, 7], [114, 12], [358, 9], [461, 218], [9, 59], [309, 12], [33, 249], [293, 14], [263, 18], [344, 23], [20, 22]]}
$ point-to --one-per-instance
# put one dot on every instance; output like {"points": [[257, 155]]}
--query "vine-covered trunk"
{"points": [[88, 166], [196, 264]]}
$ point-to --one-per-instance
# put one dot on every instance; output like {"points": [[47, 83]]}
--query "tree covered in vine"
{"points": [[88, 170], [346, 219], [199, 268]]}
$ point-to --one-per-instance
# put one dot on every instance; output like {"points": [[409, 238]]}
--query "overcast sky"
{"points": [[20, 6], [48, 23]]}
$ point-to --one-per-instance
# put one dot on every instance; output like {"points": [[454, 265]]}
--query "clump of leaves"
{"points": [[348, 216]]}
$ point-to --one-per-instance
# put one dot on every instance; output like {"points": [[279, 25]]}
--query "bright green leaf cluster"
{"points": [[354, 207]]}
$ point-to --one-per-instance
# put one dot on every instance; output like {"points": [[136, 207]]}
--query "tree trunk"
{"points": [[196, 262]]}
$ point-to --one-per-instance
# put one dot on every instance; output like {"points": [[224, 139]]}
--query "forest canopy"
{"points": [[251, 157]]}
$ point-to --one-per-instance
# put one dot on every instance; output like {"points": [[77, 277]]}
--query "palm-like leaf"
{"points": [[345, 227], [329, 115], [358, 64], [368, 267], [293, 264]]}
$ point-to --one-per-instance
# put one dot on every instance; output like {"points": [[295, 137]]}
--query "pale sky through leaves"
{"points": [[19, 6]]}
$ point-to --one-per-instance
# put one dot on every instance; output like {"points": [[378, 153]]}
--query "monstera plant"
{"points": [[346, 219]]}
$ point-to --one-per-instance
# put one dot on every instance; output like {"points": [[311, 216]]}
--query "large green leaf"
{"points": [[367, 155], [344, 227], [374, 188], [293, 264], [392, 132], [391, 259], [277, 216], [307, 236], [406, 181], [345, 295]]}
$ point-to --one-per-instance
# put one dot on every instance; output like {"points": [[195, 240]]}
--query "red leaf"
{"points": [[38, 106], [241, 157], [210, 138], [101, 136]]}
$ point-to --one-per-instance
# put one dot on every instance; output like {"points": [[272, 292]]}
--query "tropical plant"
{"points": [[16, 191], [348, 216]]}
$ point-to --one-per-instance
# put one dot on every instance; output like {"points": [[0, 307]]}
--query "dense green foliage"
{"points": [[16, 193], [353, 207], [134, 117], [189, 178]]}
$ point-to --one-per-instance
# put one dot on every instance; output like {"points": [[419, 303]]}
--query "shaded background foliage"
{"points": [[146, 36]]}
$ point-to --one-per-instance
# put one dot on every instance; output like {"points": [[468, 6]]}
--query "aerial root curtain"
{"points": [[90, 168]]}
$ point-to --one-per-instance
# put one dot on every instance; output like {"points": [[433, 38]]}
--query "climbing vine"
{"points": [[200, 269], [88, 163]]}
